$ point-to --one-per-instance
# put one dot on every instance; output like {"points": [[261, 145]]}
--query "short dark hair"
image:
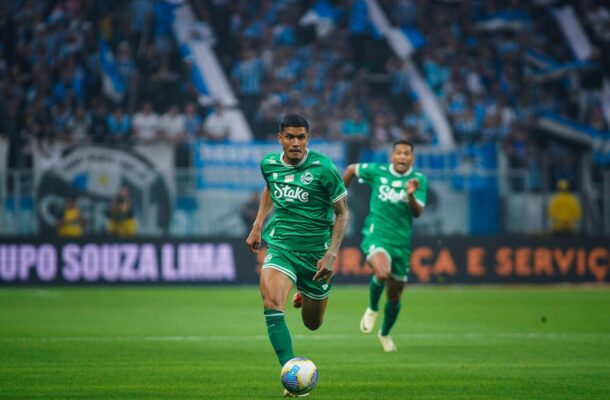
{"points": [[402, 141], [295, 121]]}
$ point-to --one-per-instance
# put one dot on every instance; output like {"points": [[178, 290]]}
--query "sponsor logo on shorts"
{"points": [[268, 258]]}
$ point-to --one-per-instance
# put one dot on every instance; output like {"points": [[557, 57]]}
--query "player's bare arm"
{"points": [[325, 265], [349, 174], [416, 208], [264, 207]]}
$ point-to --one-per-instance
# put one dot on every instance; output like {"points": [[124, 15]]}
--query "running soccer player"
{"points": [[305, 189], [398, 195]]}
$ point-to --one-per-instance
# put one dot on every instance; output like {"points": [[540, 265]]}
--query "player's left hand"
{"points": [[325, 268], [412, 185]]}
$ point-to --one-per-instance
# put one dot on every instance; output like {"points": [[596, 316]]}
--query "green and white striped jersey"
{"points": [[303, 197], [389, 213]]}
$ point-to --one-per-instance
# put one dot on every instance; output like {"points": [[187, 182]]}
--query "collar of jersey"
{"points": [[293, 166], [395, 173]]}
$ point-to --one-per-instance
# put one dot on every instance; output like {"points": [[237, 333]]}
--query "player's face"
{"points": [[402, 158], [294, 142]]}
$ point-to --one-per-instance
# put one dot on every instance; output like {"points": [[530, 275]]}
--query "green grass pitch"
{"points": [[210, 343]]}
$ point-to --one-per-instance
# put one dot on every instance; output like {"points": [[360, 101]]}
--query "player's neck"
{"points": [[395, 172], [294, 163]]}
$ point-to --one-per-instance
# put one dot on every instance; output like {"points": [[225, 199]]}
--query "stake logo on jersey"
{"points": [[387, 193], [290, 193]]}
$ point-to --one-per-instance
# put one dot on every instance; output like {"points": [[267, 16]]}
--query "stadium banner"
{"points": [[464, 260], [235, 166], [93, 174]]}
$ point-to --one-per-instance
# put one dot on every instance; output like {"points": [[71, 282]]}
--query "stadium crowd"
{"points": [[341, 72]]}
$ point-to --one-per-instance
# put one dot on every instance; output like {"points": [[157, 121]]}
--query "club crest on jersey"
{"points": [[306, 178], [290, 193], [384, 181], [289, 178], [275, 175]]}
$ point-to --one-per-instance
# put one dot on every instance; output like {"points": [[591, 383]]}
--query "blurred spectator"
{"points": [[146, 124], [217, 125], [99, 126], [141, 12], [172, 125], [120, 213], [417, 124], [356, 133], [163, 86], [564, 210], [192, 122], [71, 223], [79, 126], [126, 65], [118, 126], [162, 28], [247, 75]]}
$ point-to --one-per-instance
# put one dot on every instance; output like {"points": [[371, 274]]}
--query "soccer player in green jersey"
{"points": [[311, 215], [398, 195]]}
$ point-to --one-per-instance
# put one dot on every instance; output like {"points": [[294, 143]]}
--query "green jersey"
{"points": [[303, 197], [389, 215]]}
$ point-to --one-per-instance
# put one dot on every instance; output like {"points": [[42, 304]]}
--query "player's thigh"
{"points": [[377, 256], [381, 263], [275, 287]]}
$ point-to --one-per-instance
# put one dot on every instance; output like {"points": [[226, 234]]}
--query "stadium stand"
{"points": [[504, 73]]}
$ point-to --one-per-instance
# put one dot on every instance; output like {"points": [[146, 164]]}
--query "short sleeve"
{"points": [[263, 167], [365, 172], [333, 184]]}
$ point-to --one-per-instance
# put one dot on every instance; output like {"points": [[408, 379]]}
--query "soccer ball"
{"points": [[299, 375]]}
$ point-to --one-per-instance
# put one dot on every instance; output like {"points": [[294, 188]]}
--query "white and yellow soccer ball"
{"points": [[299, 375]]}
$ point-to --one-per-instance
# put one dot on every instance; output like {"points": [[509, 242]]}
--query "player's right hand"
{"points": [[254, 241]]}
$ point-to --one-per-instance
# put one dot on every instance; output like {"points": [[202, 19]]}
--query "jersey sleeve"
{"points": [[365, 171], [421, 194], [262, 166], [333, 184]]}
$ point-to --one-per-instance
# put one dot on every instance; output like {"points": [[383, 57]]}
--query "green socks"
{"points": [[375, 291], [389, 317], [279, 335]]}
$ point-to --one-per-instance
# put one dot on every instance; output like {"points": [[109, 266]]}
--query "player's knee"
{"points": [[382, 276]]}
